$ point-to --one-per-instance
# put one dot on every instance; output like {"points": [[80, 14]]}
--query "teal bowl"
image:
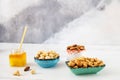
{"points": [[46, 63], [82, 71]]}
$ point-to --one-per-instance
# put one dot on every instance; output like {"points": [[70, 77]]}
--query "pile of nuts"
{"points": [[85, 62], [47, 55], [75, 47]]}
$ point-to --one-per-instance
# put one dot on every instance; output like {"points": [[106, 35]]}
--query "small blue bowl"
{"points": [[46, 63]]}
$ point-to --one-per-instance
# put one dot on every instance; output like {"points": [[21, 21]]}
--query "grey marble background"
{"points": [[99, 26], [43, 19]]}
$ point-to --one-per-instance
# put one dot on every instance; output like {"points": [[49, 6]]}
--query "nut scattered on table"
{"points": [[16, 73], [46, 55], [84, 62], [27, 68], [32, 71]]}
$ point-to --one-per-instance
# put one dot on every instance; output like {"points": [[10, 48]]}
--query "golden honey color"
{"points": [[17, 59]]}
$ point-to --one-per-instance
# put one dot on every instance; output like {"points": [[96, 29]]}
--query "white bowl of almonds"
{"points": [[74, 51], [46, 59]]}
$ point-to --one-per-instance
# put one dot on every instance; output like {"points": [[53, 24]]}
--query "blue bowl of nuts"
{"points": [[47, 59], [81, 66]]}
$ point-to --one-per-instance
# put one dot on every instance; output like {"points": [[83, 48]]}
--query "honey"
{"points": [[17, 58]]}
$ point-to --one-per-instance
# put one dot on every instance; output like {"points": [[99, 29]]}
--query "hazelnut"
{"points": [[27, 68]]}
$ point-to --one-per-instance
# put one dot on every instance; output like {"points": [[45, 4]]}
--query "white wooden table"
{"points": [[109, 54]]}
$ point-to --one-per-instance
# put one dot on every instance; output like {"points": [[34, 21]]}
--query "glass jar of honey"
{"points": [[17, 58]]}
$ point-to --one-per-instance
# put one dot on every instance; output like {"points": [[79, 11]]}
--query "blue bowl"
{"points": [[47, 63]]}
